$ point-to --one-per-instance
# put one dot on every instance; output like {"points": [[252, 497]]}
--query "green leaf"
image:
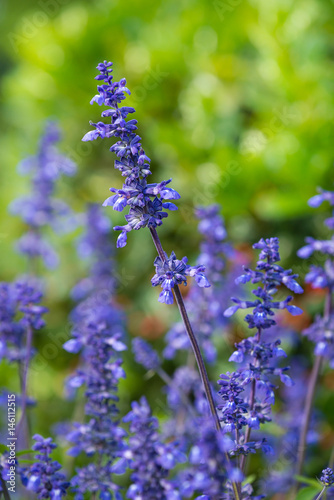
{"points": [[24, 452], [307, 480], [307, 493], [3, 448], [249, 479]]}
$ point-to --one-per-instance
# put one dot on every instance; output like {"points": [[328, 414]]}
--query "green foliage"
{"points": [[308, 493]]}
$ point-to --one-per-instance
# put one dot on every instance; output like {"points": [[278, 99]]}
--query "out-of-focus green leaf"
{"points": [[307, 493]]}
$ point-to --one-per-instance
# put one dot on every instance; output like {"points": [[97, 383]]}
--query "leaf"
{"points": [[307, 493], [249, 479], [307, 480], [24, 452], [3, 448]]}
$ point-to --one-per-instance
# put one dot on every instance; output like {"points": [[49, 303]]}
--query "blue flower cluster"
{"points": [[210, 473], [145, 355], [171, 272], [43, 477], [149, 458], [257, 358], [327, 477], [146, 201], [98, 335], [41, 208], [20, 309], [271, 276], [321, 332]]}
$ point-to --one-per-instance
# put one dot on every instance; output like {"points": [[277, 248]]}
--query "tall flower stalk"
{"points": [[37, 210], [147, 202], [97, 333], [321, 332], [248, 393]]}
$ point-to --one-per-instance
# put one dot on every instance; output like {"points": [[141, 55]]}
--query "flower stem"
{"points": [[251, 407], [310, 394], [248, 428], [321, 493], [307, 414], [191, 335]]}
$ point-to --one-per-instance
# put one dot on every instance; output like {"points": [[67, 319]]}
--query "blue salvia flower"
{"points": [[327, 477], [43, 477], [173, 272], [321, 332], [98, 335], [188, 407], [96, 247], [246, 493], [146, 201], [271, 276], [279, 476], [145, 354], [209, 473], [257, 358], [41, 208], [150, 458], [20, 309], [204, 304]]}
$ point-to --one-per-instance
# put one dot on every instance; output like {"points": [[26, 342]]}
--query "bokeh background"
{"points": [[234, 101]]}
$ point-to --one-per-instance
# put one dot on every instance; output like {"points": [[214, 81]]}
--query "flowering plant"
{"points": [[201, 447]]}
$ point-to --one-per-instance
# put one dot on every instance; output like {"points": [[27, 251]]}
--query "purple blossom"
{"points": [[145, 355], [149, 458], [41, 208], [20, 309], [327, 477], [209, 472], [97, 334], [43, 477], [248, 393], [321, 333], [187, 404], [173, 272], [145, 200], [271, 276]]}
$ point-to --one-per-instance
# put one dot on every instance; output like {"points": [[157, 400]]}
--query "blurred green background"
{"points": [[234, 101]]}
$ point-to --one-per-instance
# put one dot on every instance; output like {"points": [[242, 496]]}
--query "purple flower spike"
{"points": [[41, 208], [271, 276], [145, 201], [43, 477]]}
